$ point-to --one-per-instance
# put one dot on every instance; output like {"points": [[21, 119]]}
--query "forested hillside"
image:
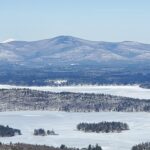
{"points": [[22, 146], [25, 99]]}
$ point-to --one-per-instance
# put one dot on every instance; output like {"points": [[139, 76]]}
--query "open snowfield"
{"points": [[133, 91], [65, 125]]}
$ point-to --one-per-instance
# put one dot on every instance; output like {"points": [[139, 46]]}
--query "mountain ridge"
{"points": [[69, 36], [69, 49]]}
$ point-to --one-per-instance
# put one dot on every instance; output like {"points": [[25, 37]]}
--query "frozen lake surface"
{"points": [[133, 91], [65, 125]]}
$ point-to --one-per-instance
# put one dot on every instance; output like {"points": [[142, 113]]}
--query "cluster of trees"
{"points": [[26, 99], [90, 147], [42, 132], [145, 85], [22, 146], [143, 146], [105, 127], [6, 131], [96, 147]]}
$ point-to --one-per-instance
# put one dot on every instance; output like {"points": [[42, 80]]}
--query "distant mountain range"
{"points": [[75, 61], [73, 51]]}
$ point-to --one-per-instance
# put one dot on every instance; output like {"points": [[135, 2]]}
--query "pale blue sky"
{"points": [[103, 20]]}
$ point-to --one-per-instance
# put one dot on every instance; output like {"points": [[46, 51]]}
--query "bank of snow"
{"points": [[133, 91]]}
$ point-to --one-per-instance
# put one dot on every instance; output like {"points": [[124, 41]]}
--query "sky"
{"points": [[97, 20]]}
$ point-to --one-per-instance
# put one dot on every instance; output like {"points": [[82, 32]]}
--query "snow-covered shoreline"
{"points": [[133, 91]]}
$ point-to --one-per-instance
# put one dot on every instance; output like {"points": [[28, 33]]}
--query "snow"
{"points": [[65, 123], [133, 91], [8, 40], [57, 82]]}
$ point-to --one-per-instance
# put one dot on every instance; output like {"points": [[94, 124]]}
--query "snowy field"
{"points": [[133, 91], [65, 125]]}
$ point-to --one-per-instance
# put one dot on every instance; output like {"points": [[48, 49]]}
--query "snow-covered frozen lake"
{"points": [[133, 91], [65, 125]]}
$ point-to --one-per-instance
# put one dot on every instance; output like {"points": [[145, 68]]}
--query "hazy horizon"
{"points": [[98, 20], [11, 39]]}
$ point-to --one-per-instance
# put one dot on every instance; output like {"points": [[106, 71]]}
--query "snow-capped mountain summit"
{"points": [[8, 40]]}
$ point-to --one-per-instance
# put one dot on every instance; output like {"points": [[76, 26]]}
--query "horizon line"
{"points": [[9, 40]]}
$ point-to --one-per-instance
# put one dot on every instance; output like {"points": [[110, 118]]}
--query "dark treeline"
{"points": [[80, 74], [104, 127], [25, 99], [6, 131], [145, 85], [143, 146], [42, 132], [21, 146]]}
